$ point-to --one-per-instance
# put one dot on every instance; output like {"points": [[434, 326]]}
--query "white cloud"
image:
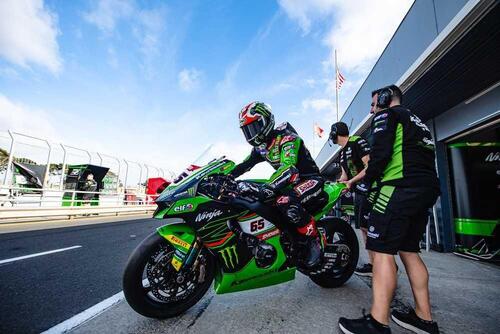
{"points": [[9, 73], [358, 29], [305, 11], [21, 118], [159, 145], [311, 82], [147, 26], [189, 79], [28, 34], [318, 104], [361, 28], [148, 32], [107, 12]]}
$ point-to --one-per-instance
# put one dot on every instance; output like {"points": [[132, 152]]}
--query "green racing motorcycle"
{"points": [[238, 242]]}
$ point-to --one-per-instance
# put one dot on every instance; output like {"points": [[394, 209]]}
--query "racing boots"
{"points": [[313, 250]]}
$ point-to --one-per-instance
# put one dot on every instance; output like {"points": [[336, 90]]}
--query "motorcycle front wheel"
{"points": [[153, 288]]}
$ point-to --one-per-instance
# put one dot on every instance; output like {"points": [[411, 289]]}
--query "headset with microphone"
{"points": [[333, 134], [384, 97]]}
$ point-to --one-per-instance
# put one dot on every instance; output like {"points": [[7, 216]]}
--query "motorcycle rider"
{"points": [[296, 181]]}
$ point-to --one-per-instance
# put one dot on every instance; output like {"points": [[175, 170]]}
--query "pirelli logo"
{"points": [[176, 241], [229, 256]]}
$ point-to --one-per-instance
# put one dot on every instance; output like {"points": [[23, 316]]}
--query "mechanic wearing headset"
{"points": [[354, 159], [401, 182]]}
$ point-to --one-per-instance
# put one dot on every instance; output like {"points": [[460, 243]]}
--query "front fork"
{"points": [[187, 246]]}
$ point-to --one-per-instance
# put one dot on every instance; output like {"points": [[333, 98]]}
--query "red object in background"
{"points": [[154, 184]]}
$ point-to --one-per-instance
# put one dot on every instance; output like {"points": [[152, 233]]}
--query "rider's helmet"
{"points": [[256, 122]]}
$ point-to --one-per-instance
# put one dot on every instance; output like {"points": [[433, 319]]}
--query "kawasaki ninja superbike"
{"points": [[212, 233]]}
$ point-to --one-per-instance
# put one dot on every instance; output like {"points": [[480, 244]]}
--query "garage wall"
{"points": [[464, 115]]}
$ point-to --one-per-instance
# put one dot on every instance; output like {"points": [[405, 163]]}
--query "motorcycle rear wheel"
{"points": [[342, 241], [150, 283]]}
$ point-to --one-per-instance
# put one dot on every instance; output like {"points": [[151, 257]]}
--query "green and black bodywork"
{"points": [[199, 226], [475, 174]]}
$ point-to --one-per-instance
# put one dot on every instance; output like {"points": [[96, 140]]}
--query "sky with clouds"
{"points": [[160, 81]]}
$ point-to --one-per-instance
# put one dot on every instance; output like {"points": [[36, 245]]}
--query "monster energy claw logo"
{"points": [[229, 256]]}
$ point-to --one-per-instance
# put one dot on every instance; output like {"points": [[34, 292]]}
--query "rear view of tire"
{"points": [[154, 289], [341, 249]]}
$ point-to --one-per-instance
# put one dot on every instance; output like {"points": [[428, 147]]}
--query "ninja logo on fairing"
{"points": [[208, 216]]}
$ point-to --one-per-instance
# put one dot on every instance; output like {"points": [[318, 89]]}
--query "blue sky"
{"points": [[158, 81]]}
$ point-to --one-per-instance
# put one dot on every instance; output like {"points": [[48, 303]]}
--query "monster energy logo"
{"points": [[229, 256]]}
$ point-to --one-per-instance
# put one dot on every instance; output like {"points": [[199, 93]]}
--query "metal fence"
{"points": [[126, 194]]}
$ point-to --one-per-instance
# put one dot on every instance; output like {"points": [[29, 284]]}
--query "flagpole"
{"points": [[314, 141], [336, 85]]}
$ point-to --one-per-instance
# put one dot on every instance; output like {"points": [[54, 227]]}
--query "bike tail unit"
{"points": [[236, 243]]}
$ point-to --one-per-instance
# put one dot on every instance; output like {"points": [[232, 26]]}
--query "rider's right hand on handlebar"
{"points": [[261, 191], [247, 188]]}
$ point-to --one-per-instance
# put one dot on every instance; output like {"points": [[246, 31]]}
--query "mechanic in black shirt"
{"points": [[402, 185], [354, 159]]}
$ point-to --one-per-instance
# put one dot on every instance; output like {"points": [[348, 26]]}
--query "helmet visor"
{"points": [[253, 129]]}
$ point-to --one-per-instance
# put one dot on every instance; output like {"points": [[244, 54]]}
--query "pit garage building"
{"points": [[445, 56]]}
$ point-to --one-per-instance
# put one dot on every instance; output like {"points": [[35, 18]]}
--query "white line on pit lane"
{"points": [[85, 315], [38, 254], [88, 314]]}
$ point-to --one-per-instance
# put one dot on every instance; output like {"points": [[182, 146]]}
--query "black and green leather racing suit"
{"points": [[296, 179]]}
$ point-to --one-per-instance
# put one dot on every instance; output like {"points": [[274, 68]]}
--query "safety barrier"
{"points": [[16, 213], [27, 204], [51, 199]]}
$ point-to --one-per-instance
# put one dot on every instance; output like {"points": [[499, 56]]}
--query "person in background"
{"points": [[402, 184], [354, 159], [90, 185]]}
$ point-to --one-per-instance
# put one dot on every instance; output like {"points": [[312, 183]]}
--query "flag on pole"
{"points": [[318, 131], [340, 79]]}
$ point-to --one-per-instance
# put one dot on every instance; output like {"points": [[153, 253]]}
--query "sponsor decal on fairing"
{"points": [[256, 226], [230, 256], [269, 235], [208, 215], [176, 241], [185, 207]]}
